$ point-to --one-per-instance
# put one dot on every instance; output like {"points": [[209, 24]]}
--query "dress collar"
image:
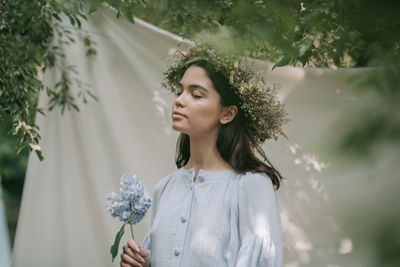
{"points": [[206, 175]]}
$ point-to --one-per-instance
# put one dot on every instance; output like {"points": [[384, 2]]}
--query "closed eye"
{"points": [[196, 96]]}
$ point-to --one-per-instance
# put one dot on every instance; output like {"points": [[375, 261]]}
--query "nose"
{"points": [[179, 100]]}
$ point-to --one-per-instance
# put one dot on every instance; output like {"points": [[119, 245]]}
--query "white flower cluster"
{"points": [[131, 205]]}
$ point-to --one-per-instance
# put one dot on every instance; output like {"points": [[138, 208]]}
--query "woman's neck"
{"points": [[205, 155]]}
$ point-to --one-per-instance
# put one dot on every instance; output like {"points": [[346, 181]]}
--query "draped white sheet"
{"points": [[63, 220]]}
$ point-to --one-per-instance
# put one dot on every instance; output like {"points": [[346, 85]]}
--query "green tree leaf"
{"points": [[283, 62], [94, 4]]}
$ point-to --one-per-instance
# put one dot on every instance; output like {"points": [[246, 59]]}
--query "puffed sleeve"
{"points": [[158, 189], [259, 223]]}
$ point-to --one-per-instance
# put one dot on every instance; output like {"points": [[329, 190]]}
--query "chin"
{"points": [[179, 129]]}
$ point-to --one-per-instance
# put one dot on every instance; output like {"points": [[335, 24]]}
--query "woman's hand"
{"points": [[134, 255]]}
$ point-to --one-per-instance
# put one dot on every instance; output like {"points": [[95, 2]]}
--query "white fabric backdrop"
{"points": [[63, 220]]}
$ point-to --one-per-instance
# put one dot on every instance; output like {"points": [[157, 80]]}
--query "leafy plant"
{"points": [[32, 34]]}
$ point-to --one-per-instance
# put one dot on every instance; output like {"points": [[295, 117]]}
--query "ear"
{"points": [[228, 114]]}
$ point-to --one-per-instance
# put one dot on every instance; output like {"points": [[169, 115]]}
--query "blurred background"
{"points": [[336, 63]]}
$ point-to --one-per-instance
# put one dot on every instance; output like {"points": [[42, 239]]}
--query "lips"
{"points": [[177, 114]]}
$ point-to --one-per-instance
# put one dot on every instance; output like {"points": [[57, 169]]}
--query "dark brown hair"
{"points": [[233, 142]]}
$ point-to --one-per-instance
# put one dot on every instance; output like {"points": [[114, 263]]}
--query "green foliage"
{"points": [[12, 173], [27, 29], [124, 8], [334, 33], [320, 33], [377, 121], [32, 34]]}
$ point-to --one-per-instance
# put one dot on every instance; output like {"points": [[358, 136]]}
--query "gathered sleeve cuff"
{"points": [[258, 251], [259, 223]]}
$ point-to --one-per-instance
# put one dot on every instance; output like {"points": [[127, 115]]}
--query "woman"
{"points": [[219, 208]]}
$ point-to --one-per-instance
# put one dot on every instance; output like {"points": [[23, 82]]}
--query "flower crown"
{"points": [[263, 111]]}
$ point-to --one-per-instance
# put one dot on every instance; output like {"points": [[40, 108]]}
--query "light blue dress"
{"points": [[222, 219]]}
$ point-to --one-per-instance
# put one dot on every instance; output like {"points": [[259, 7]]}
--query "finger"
{"points": [[124, 264], [134, 245], [130, 252], [133, 255], [144, 252], [128, 265], [138, 258], [130, 261]]}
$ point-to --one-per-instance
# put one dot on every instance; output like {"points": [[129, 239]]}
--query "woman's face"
{"points": [[196, 109]]}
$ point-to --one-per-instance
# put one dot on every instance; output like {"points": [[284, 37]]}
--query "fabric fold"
{"points": [[257, 251]]}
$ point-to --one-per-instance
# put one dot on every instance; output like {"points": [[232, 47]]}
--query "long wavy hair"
{"points": [[233, 142]]}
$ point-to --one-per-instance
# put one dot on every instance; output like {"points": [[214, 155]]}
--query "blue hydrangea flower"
{"points": [[131, 205], [112, 204]]}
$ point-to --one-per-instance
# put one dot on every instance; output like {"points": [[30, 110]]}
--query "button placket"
{"points": [[177, 252], [183, 219], [200, 179]]}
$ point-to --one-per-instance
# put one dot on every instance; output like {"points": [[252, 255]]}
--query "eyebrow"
{"points": [[194, 86]]}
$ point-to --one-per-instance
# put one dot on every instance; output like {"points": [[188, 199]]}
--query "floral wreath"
{"points": [[263, 111]]}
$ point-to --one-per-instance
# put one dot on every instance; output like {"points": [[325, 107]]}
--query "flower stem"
{"points": [[130, 208], [133, 237]]}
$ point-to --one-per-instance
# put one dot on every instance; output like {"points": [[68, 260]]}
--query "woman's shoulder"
{"points": [[161, 184], [255, 181], [257, 193]]}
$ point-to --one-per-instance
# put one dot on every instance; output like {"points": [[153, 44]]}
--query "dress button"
{"points": [[183, 219], [177, 252]]}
